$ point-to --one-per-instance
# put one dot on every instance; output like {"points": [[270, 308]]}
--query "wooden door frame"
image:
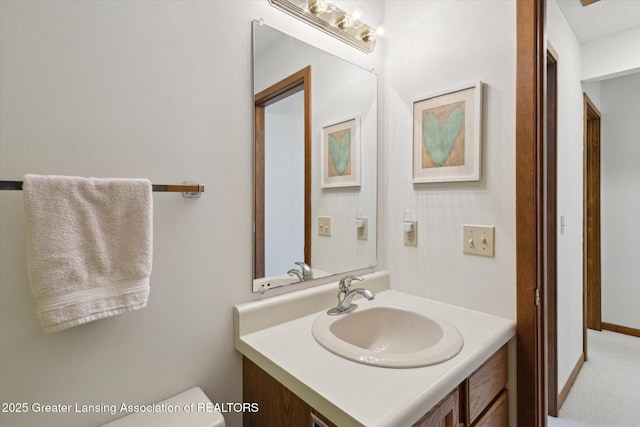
{"points": [[299, 81], [530, 292], [592, 305]]}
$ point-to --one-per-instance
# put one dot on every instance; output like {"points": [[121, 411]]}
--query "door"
{"points": [[551, 230], [592, 303]]}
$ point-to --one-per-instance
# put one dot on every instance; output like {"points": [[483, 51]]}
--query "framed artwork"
{"points": [[341, 154], [447, 130]]}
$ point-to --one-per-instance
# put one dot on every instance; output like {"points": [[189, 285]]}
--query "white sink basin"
{"points": [[388, 336]]}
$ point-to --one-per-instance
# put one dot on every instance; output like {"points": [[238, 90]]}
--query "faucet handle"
{"points": [[303, 265], [345, 282]]}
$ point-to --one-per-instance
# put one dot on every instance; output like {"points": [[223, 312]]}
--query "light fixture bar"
{"points": [[332, 20]]}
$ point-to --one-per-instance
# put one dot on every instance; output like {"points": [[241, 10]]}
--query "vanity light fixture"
{"points": [[329, 18]]}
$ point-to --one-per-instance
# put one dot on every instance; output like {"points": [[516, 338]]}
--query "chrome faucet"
{"points": [[305, 272], [346, 294], [294, 272]]}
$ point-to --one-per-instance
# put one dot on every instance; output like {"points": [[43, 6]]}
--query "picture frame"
{"points": [[447, 134], [340, 157]]}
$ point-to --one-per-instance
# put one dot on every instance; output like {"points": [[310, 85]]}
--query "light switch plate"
{"points": [[478, 240], [324, 226], [363, 232]]}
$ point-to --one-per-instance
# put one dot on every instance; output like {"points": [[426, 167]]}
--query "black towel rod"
{"points": [[173, 188]]}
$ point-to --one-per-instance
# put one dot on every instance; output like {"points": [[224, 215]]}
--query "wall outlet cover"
{"points": [[411, 237]]}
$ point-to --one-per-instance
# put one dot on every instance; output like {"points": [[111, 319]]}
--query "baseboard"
{"points": [[572, 378], [620, 329]]}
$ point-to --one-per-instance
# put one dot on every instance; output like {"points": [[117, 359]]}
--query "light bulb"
{"points": [[358, 13], [345, 22], [317, 6], [368, 36]]}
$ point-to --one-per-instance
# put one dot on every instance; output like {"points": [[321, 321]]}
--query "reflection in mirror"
{"points": [[315, 123], [282, 156]]}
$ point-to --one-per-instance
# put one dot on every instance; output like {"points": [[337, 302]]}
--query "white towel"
{"points": [[89, 247]]}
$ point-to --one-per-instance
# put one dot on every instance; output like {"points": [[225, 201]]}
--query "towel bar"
{"points": [[190, 190]]}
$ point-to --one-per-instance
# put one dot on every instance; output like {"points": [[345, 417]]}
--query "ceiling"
{"points": [[602, 18]]}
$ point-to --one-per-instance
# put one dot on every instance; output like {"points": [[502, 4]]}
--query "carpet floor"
{"points": [[607, 390]]}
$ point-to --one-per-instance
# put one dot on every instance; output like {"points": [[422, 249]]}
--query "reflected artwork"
{"points": [[341, 154]]}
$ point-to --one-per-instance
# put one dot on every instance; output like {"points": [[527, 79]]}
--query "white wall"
{"points": [[592, 89], [433, 46], [611, 56], [569, 188], [425, 54], [136, 89], [284, 183], [620, 199]]}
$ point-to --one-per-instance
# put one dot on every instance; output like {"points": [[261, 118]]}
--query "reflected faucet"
{"points": [[294, 272], [305, 273], [346, 294]]}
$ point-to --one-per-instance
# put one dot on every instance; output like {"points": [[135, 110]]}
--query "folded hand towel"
{"points": [[89, 247]]}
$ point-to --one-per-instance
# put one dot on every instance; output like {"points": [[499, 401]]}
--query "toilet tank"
{"points": [[171, 413]]}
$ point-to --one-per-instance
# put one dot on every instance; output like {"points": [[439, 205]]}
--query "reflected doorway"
{"points": [[292, 92]]}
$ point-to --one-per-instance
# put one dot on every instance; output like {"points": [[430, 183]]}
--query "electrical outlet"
{"points": [[324, 226], [410, 233], [478, 240], [362, 232]]}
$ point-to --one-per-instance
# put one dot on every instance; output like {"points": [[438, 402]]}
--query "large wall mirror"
{"points": [[315, 162]]}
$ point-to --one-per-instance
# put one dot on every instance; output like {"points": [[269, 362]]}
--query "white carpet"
{"points": [[607, 390]]}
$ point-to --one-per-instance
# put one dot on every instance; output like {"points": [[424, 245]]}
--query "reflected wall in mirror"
{"points": [[298, 91]]}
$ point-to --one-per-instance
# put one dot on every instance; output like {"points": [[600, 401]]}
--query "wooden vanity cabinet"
{"points": [[481, 400], [444, 414], [279, 406], [485, 393]]}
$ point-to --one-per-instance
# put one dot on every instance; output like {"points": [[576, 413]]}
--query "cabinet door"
{"points": [[497, 415], [279, 406], [486, 383], [444, 414]]}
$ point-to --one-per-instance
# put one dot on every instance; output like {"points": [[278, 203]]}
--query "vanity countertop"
{"points": [[275, 334]]}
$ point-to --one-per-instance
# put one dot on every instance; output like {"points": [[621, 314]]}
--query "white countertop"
{"points": [[278, 339]]}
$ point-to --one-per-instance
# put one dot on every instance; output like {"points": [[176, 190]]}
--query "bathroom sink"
{"points": [[388, 336]]}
